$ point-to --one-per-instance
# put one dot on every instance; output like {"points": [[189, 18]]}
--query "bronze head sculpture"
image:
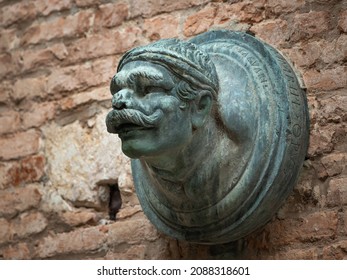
{"points": [[217, 129]]}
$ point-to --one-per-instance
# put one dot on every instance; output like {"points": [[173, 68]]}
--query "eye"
{"points": [[153, 89]]}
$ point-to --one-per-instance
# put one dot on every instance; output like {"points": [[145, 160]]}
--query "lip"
{"points": [[130, 129]]}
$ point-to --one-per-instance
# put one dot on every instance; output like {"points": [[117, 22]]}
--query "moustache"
{"points": [[116, 118]]}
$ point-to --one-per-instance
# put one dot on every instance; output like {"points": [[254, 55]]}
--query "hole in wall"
{"points": [[114, 197]]}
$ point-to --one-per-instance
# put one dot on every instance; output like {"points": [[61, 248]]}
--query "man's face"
{"points": [[147, 115]]}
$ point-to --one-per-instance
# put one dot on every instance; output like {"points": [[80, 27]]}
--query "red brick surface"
{"points": [[56, 61]]}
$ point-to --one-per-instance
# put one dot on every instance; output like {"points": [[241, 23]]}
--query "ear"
{"points": [[201, 108]]}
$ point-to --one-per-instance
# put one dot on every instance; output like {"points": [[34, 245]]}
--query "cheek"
{"points": [[167, 103]]}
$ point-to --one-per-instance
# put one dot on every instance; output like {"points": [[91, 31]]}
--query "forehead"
{"points": [[143, 67]]}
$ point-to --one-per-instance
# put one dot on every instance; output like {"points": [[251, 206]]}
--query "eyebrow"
{"points": [[141, 74]]}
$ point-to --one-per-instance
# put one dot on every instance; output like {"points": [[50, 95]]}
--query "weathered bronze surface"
{"points": [[217, 129]]}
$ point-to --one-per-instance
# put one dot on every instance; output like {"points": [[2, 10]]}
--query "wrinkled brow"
{"points": [[136, 78], [142, 76]]}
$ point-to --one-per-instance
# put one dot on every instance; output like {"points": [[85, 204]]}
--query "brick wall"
{"points": [[58, 163]]}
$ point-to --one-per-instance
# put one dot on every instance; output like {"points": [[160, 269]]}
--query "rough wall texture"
{"points": [[58, 163]]}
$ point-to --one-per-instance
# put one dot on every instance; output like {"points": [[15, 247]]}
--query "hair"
{"points": [[192, 66]]}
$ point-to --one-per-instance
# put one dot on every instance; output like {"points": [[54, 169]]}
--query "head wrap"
{"points": [[182, 58]]}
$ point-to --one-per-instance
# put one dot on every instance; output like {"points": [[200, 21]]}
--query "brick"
{"points": [[27, 170], [328, 79], [78, 218], [38, 114], [150, 8], [322, 140], [111, 14], [310, 24], [5, 92], [345, 222], [334, 163], [305, 54], [19, 145], [86, 3], [29, 88], [10, 121], [44, 7], [28, 224], [28, 10], [308, 53], [29, 59], [307, 228], [161, 27], [284, 6], [335, 251], [297, 254], [18, 251], [319, 225], [109, 42], [343, 21], [334, 51], [337, 191], [135, 252], [274, 32], [9, 39], [246, 12], [81, 76], [14, 201], [72, 102], [128, 212], [5, 231], [7, 66], [5, 178], [131, 231], [69, 26], [20, 11], [200, 22], [77, 241]]}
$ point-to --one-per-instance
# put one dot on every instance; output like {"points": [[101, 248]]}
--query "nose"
{"points": [[122, 99]]}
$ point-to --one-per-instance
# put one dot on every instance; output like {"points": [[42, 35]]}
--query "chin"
{"points": [[135, 149]]}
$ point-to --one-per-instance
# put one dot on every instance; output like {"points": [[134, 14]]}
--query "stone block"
{"points": [[310, 24], [38, 114], [81, 76], [161, 27], [29, 88], [18, 251], [343, 21], [28, 224], [283, 6], [10, 121], [335, 251], [19, 145], [7, 65], [5, 231], [111, 14], [27, 170], [131, 231], [16, 200], [152, 7], [108, 42], [328, 79], [40, 57], [334, 163], [73, 25], [9, 39], [306, 228], [275, 32], [73, 242], [337, 192], [200, 21], [80, 217]]}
